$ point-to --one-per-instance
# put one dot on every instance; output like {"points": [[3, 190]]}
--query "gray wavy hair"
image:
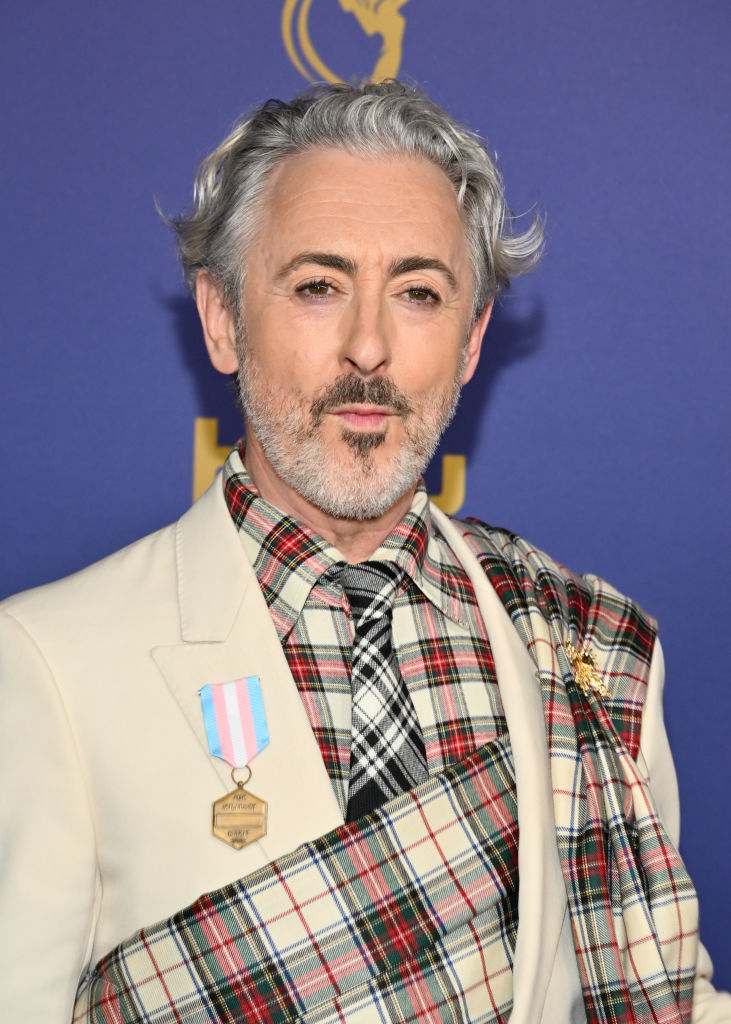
{"points": [[374, 119]]}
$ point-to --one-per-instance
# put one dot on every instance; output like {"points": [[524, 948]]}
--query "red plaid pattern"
{"points": [[439, 636], [383, 918], [634, 911], [407, 915]]}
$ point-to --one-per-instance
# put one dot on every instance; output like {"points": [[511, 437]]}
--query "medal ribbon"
{"points": [[235, 722]]}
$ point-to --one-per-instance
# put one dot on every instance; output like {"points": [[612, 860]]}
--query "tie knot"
{"points": [[370, 587]]}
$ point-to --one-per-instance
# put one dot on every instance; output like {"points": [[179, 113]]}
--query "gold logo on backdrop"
{"points": [[209, 456], [376, 18]]}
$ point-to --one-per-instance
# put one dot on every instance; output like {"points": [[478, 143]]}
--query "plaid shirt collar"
{"points": [[285, 554]]}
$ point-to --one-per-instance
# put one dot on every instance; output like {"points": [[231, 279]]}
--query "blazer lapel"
{"points": [[542, 899], [227, 633]]}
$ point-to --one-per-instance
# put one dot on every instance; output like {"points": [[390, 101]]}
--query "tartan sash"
{"points": [[411, 912], [407, 914], [634, 912]]}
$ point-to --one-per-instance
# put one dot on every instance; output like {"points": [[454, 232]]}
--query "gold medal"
{"points": [[239, 818]]}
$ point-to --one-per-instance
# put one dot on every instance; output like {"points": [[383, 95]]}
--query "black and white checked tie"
{"points": [[387, 753]]}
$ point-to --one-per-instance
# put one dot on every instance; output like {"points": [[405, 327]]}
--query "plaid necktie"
{"points": [[387, 753]]}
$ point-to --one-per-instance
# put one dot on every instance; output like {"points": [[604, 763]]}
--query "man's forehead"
{"points": [[325, 194], [328, 171]]}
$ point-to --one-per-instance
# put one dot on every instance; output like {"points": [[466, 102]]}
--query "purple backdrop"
{"points": [[598, 423]]}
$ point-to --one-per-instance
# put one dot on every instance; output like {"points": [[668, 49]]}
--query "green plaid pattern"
{"points": [[634, 911], [409, 914], [439, 636]]}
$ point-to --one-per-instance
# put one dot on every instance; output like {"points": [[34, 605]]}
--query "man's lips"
{"points": [[364, 417]]}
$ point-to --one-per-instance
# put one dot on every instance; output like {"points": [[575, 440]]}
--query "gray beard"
{"points": [[356, 488]]}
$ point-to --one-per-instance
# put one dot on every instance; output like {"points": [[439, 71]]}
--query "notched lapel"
{"points": [[521, 651], [228, 633]]}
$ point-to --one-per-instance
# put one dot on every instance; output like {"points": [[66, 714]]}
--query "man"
{"points": [[462, 802]]}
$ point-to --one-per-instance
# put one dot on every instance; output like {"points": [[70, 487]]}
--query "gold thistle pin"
{"points": [[585, 672]]}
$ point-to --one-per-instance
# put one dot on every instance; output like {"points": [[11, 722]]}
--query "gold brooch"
{"points": [[585, 673]]}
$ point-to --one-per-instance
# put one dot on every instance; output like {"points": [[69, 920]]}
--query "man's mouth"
{"points": [[364, 417], [361, 404]]}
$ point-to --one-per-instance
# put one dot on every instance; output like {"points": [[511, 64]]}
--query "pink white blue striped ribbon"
{"points": [[234, 718]]}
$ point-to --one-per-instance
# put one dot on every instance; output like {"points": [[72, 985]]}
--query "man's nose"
{"points": [[366, 338]]}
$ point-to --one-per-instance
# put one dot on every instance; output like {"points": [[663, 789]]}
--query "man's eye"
{"points": [[318, 289], [422, 296]]}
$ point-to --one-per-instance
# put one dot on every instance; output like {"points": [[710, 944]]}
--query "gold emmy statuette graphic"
{"points": [[376, 18], [209, 456]]}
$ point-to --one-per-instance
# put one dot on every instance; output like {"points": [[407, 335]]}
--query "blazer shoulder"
{"points": [[145, 569], [185, 580]]}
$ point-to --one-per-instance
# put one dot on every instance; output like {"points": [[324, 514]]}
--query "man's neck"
{"points": [[355, 539]]}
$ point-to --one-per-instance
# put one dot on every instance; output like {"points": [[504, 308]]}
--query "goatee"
{"points": [[289, 428]]}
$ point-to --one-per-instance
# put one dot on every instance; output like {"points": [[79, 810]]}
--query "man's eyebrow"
{"points": [[407, 264], [331, 260]]}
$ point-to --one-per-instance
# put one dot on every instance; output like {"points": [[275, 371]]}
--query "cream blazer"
{"points": [[107, 783]]}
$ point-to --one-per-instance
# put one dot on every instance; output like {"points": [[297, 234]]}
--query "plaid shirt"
{"points": [[439, 636], [409, 913]]}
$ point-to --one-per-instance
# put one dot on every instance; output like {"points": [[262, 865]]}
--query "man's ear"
{"points": [[219, 329], [474, 342]]}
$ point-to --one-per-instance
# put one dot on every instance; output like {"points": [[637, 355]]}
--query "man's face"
{"points": [[357, 336]]}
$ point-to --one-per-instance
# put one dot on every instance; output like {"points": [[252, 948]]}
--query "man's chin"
{"points": [[360, 482]]}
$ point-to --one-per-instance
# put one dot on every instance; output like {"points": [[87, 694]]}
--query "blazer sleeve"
{"points": [[709, 1006], [48, 880]]}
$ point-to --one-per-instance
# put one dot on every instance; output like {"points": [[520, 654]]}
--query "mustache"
{"points": [[351, 389]]}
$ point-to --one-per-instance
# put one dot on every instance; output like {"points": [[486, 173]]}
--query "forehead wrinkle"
{"points": [[315, 203]]}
